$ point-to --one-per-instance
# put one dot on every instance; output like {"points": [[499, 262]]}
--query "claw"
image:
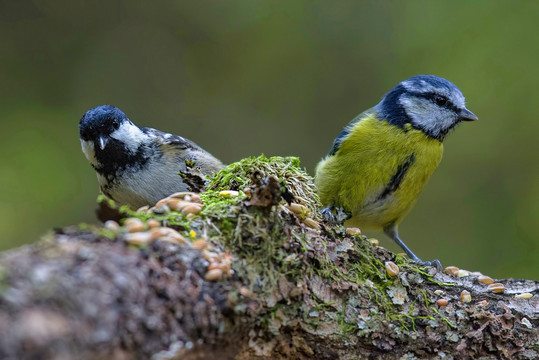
{"points": [[327, 215]]}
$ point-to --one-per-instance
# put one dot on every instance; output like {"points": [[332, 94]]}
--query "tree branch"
{"points": [[248, 277]]}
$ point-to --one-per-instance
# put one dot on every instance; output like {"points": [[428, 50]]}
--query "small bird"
{"points": [[380, 162], [138, 166]]}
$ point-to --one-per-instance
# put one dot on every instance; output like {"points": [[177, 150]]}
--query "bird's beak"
{"points": [[467, 115], [102, 142]]}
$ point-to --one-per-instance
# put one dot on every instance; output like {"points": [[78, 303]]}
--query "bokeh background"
{"points": [[243, 78]]}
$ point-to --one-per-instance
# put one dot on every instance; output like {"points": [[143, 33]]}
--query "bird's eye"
{"points": [[116, 125], [440, 100]]}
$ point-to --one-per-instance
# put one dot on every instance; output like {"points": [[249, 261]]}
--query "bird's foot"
{"points": [[335, 214], [327, 215], [434, 263]]}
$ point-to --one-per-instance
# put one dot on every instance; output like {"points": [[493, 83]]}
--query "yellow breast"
{"points": [[378, 172]]}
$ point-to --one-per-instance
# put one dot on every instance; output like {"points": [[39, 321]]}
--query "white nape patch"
{"points": [[88, 148], [428, 116], [130, 135]]}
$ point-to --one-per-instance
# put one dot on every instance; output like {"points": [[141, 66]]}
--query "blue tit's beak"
{"points": [[102, 142], [467, 115]]}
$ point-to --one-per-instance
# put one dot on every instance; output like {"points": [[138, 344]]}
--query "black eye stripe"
{"points": [[433, 97]]}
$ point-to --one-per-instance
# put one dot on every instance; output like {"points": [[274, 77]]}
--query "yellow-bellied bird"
{"points": [[380, 162]]}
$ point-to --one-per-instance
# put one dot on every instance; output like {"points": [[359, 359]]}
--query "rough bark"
{"points": [[295, 292]]}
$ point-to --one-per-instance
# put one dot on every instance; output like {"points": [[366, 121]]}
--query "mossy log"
{"points": [[249, 277]]}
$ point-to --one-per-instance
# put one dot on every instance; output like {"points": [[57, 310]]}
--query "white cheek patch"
{"points": [[88, 148], [130, 135], [427, 116]]}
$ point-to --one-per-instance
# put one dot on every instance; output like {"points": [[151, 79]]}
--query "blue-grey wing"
{"points": [[346, 131]]}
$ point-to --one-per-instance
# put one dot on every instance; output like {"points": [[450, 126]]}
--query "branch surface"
{"points": [[247, 276]]}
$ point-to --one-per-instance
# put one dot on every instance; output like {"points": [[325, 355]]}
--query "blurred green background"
{"points": [[243, 78]]}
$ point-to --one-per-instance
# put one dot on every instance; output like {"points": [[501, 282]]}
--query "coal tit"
{"points": [[138, 166]]}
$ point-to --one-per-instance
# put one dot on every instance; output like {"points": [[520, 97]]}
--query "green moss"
{"points": [[287, 170], [446, 320], [270, 245], [97, 230], [237, 175]]}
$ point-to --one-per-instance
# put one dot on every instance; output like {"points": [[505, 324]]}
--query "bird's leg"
{"points": [[393, 233]]}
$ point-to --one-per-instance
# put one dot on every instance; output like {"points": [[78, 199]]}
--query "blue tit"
{"points": [[383, 158], [138, 166]]}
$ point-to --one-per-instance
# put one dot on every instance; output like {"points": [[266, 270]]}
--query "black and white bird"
{"points": [[138, 166]]}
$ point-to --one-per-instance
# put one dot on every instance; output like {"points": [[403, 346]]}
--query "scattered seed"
{"points": [[194, 198], [313, 224], [210, 256], [152, 223], [475, 273], [438, 292], [496, 287], [524, 296], [482, 303], [213, 275], [248, 192], [199, 244], [138, 238], [226, 268], [111, 225], [229, 193], [226, 258], [161, 202], [187, 196], [168, 233], [451, 270], [441, 302], [191, 208], [353, 231], [466, 296], [161, 209], [463, 273], [143, 209], [169, 239], [374, 242], [180, 195], [483, 279], [214, 265], [134, 225], [301, 211], [391, 268], [526, 323], [246, 292], [176, 204]]}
